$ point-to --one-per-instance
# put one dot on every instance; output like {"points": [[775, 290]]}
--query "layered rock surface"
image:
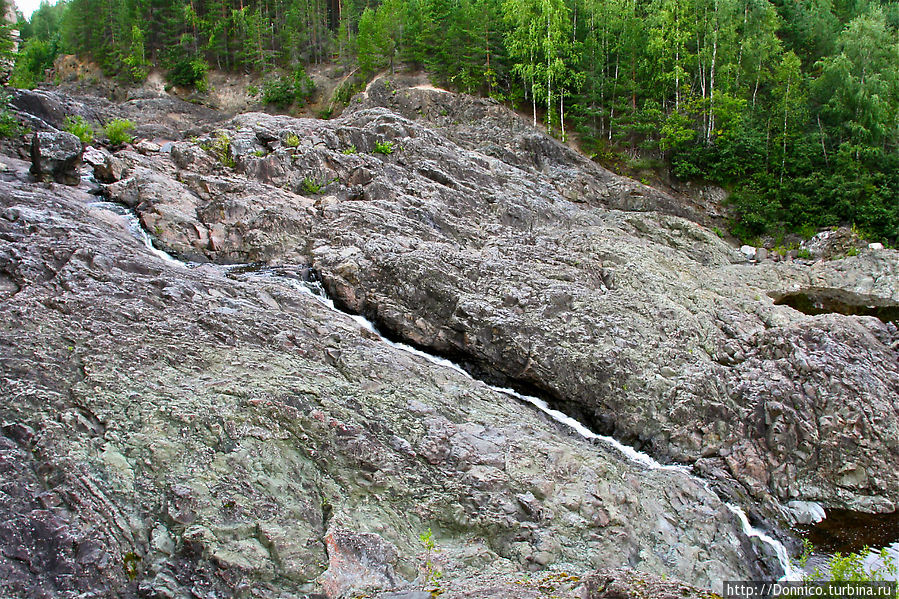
{"points": [[484, 240], [172, 432], [211, 431]]}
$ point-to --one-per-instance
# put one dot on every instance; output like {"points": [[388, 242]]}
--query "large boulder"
{"points": [[56, 155], [108, 168]]}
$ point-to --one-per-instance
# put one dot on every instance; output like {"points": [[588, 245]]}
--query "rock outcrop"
{"points": [[218, 431], [56, 155], [169, 431], [463, 235]]}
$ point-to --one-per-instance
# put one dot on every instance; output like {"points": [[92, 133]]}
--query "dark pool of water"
{"points": [[846, 531], [814, 304]]}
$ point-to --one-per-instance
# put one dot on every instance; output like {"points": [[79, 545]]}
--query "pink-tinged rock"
{"points": [[358, 562]]}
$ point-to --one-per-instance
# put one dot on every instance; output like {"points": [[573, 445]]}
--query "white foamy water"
{"points": [[136, 229], [790, 571]]}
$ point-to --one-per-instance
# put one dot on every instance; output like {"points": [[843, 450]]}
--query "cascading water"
{"points": [[136, 229], [315, 290]]}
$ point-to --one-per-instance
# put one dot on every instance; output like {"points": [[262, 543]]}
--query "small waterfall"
{"points": [[136, 229], [317, 291], [790, 571]]}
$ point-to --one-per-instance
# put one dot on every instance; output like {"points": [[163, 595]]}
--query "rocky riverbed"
{"points": [[175, 431]]}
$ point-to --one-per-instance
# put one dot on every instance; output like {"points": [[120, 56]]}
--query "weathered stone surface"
{"points": [[200, 433], [465, 239], [107, 167], [358, 563], [628, 584], [56, 155], [145, 146], [207, 427]]}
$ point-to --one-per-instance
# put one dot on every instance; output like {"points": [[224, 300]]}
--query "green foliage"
{"points": [[118, 131], [383, 147], [380, 35], [851, 567], [77, 126], [220, 148], [9, 126], [312, 187], [792, 106], [285, 91], [189, 72], [34, 58], [350, 150], [431, 575], [131, 565], [807, 231], [134, 55], [292, 140]]}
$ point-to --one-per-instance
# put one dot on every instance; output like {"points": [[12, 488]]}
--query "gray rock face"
{"points": [[466, 239], [107, 168], [626, 584], [56, 155], [171, 431]]}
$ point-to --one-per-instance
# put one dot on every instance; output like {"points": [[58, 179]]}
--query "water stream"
{"points": [[315, 290]]}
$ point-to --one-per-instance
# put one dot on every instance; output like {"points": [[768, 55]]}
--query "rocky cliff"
{"points": [[177, 431]]}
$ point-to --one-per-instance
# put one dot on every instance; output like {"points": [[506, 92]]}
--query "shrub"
{"points": [[383, 147], [9, 126], [311, 187], [347, 90], [118, 131], [807, 231], [351, 150], [220, 147], [33, 59], [431, 575], [77, 126], [292, 140], [287, 90], [189, 72], [852, 567]]}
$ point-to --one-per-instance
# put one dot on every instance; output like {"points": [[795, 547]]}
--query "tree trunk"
{"points": [[711, 128], [562, 114], [783, 162]]}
